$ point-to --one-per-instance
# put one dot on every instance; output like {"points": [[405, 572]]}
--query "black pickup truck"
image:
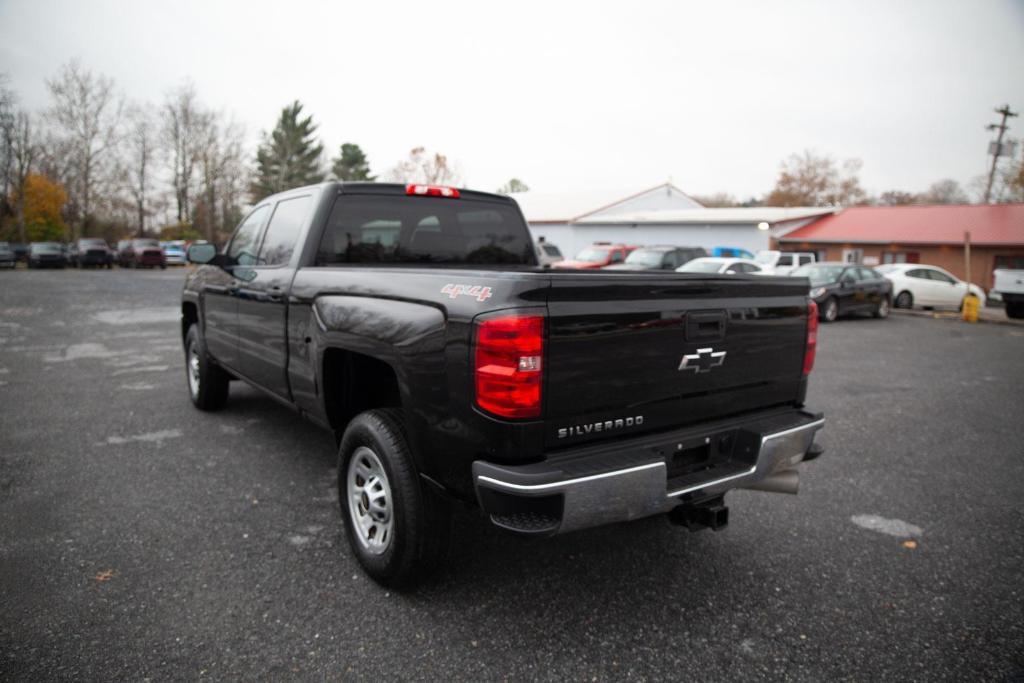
{"points": [[415, 323]]}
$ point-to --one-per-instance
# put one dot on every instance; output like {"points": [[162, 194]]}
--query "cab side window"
{"points": [[283, 231], [785, 260], [616, 256], [242, 249]]}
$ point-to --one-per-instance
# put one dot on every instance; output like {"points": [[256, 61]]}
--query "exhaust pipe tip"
{"points": [[786, 481]]}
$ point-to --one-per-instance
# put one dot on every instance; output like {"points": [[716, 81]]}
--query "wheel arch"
{"points": [[189, 316], [355, 382]]}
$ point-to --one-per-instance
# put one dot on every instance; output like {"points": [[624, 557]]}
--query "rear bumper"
{"points": [[646, 476]]}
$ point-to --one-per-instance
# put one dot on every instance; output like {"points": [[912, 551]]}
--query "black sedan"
{"points": [[841, 288], [46, 255]]}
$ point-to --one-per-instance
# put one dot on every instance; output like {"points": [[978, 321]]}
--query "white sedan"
{"points": [[914, 284], [721, 264]]}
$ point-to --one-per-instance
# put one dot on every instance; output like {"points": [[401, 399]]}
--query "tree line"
{"points": [[813, 179], [94, 164]]}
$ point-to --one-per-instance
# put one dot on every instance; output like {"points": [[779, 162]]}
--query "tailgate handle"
{"points": [[705, 326]]}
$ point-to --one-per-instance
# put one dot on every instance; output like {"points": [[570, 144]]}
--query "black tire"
{"points": [[210, 390], [905, 300], [1015, 311], [163, 266], [419, 529], [829, 310], [882, 309]]}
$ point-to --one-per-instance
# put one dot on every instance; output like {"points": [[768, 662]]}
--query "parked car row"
{"points": [[94, 252], [837, 288]]}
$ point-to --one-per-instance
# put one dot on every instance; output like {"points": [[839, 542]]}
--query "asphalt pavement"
{"points": [[142, 539]]}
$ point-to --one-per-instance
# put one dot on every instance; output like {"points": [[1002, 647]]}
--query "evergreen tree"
{"points": [[290, 156], [351, 164]]}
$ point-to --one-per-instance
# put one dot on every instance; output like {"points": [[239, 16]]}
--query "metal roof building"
{"points": [[663, 214]]}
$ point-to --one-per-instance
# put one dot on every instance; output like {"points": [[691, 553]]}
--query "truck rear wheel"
{"points": [[207, 382], [1015, 310], [397, 528]]}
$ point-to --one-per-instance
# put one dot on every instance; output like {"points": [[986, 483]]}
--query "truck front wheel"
{"points": [[207, 382], [397, 528]]}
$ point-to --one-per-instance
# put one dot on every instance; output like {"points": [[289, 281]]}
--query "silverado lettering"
{"points": [[607, 425], [355, 305]]}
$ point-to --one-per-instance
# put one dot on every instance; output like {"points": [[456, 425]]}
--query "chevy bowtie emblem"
{"points": [[703, 360]]}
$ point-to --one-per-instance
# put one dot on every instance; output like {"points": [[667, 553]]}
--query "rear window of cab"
{"points": [[389, 229]]}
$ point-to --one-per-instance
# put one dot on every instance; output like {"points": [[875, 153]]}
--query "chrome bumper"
{"points": [[548, 498]]}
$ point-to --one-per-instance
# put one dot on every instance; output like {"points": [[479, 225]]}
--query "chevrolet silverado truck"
{"points": [[415, 323]]}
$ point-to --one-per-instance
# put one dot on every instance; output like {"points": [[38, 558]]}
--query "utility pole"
{"points": [[997, 147]]}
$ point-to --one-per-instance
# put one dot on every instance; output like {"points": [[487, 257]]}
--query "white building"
{"points": [[660, 215]]}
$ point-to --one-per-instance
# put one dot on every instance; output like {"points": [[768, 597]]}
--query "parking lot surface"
{"points": [[141, 538]]}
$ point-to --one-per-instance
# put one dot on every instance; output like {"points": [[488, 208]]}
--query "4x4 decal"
{"points": [[481, 293]]}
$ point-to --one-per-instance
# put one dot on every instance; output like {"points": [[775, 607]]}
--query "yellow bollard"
{"points": [[970, 308]]}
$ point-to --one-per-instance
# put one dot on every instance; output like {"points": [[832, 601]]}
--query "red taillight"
{"points": [[432, 191], [509, 363], [812, 337]]}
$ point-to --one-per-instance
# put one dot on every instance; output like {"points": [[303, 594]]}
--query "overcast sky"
{"points": [[567, 96]]}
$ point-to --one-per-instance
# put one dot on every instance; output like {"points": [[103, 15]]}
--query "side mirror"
{"points": [[201, 253]]}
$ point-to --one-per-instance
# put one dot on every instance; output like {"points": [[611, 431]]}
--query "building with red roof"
{"points": [[932, 234]]}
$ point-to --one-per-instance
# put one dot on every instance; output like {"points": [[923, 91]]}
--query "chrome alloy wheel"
{"points": [[831, 310], [193, 370], [369, 500]]}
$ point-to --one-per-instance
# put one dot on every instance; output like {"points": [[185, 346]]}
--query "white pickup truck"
{"points": [[1010, 286], [783, 262]]}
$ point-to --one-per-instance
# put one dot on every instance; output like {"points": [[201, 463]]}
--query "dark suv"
{"points": [[141, 253], [90, 251], [45, 255], [659, 258]]}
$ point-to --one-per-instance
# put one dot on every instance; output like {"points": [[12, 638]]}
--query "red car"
{"points": [[141, 253], [597, 256]]}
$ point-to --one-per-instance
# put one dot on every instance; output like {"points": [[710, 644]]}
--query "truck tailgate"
{"points": [[629, 353]]}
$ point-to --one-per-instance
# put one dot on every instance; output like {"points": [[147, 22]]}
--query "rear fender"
{"points": [[408, 337]]}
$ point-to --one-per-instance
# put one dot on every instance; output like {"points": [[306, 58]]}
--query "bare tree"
{"points": [[85, 113], [513, 186], [421, 167], [945, 191], [811, 180], [220, 158], [7, 119], [182, 124], [24, 152], [896, 198], [139, 161], [716, 200]]}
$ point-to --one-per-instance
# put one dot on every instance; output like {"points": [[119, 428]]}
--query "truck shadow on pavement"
{"points": [[620, 572]]}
